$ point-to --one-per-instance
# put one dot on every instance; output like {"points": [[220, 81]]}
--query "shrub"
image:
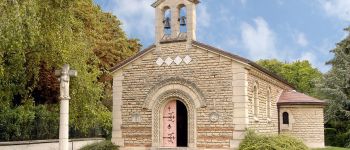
{"points": [[29, 122], [255, 141], [104, 145]]}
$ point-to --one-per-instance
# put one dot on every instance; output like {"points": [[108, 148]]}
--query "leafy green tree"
{"points": [[335, 87], [301, 74], [108, 41], [37, 37]]}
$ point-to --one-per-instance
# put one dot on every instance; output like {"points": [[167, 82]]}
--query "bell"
{"points": [[183, 21], [167, 23]]}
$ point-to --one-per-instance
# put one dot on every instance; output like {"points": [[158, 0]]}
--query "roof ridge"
{"points": [[298, 98]]}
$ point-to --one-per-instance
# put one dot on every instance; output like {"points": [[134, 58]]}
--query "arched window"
{"points": [[182, 18], [268, 103], [167, 20], [255, 101], [285, 118]]}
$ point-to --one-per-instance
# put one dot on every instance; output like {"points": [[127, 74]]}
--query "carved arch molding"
{"points": [[184, 91], [177, 84]]}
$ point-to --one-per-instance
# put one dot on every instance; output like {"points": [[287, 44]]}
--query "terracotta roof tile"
{"points": [[296, 98]]}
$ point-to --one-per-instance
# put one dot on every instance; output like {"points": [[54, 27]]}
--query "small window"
{"points": [[285, 117], [255, 102], [268, 103]]}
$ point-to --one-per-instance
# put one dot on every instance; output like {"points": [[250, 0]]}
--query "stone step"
{"points": [[177, 148]]}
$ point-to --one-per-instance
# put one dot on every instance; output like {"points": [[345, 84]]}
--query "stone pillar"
{"points": [[159, 27], [64, 124], [64, 77], [191, 22], [117, 137], [175, 24], [240, 102]]}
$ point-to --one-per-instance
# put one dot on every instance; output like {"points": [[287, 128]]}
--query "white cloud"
{"points": [[204, 17], [315, 61], [259, 40], [309, 57], [337, 8], [301, 39], [243, 2], [137, 16]]}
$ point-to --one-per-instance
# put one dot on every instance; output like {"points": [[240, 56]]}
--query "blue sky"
{"points": [[287, 30]]}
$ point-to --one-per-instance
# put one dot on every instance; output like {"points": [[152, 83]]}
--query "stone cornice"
{"points": [[156, 3]]}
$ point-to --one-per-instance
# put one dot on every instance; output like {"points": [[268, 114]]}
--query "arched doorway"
{"points": [[175, 124]]}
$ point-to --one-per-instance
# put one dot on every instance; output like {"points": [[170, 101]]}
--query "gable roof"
{"points": [[244, 60], [130, 59], [210, 48], [156, 3], [295, 98]]}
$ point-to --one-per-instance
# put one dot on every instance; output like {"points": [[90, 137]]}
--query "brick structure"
{"points": [[217, 95]]}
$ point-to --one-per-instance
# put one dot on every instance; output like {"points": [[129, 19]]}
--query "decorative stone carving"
{"points": [[187, 59], [159, 61], [64, 76], [214, 117], [136, 118], [168, 61], [162, 100], [178, 84], [178, 60]]}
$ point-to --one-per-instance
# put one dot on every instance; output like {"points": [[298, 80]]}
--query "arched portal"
{"points": [[168, 90], [175, 124]]}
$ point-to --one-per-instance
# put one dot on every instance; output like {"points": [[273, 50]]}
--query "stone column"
{"points": [[117, 138], [64, 124], [191, 22], [241, 103], [175, 24], [64, 76]]}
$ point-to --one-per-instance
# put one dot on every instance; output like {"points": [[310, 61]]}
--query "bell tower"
{"points": [[175, 20]]}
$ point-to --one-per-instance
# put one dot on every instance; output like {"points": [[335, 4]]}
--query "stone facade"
{"points": [[224, 94], [305, 122], [262, 123]]}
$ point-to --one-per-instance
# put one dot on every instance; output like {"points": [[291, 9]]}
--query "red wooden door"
{"points": [[169, 125]]}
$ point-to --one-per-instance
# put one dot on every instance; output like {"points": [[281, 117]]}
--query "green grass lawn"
{"points": [[332, 148]]}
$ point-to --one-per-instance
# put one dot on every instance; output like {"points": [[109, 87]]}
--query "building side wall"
{"points": [[306, 123], [211, 73], [261, 123]]}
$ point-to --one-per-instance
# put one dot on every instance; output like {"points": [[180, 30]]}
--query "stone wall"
{"points": [[74, 144], [209, 82], [305, 122], [264, 83], [211, 73]]}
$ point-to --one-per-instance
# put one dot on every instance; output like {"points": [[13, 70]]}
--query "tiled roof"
{"points": [[296, 98]]}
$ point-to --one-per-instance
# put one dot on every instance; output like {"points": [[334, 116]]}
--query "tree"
{"points": [[301, 74], [38, 37], [335, 87]]}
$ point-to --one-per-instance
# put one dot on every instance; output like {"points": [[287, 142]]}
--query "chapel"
{"points": [[183, 94]]}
